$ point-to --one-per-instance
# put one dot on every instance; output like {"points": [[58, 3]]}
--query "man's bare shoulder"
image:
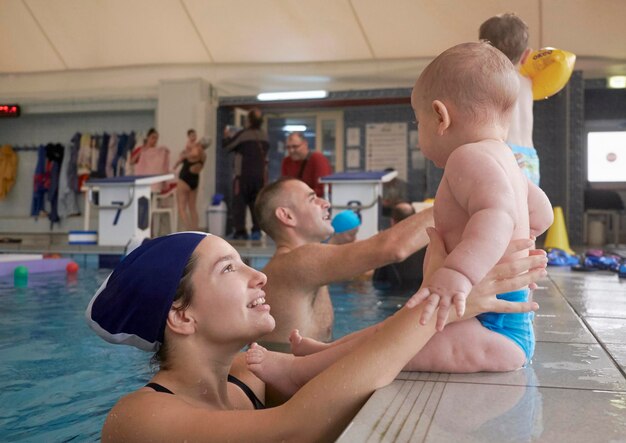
{"points": [[291, 262]]}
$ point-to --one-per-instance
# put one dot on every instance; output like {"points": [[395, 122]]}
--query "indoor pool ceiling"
{"points": [[245, 46]]}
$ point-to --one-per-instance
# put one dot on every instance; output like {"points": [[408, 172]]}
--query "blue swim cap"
{"points": [[132, 305], [345, 221]]}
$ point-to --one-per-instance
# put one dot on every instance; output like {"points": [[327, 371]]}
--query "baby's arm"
{"points": [[539, 209], [481, 187]]}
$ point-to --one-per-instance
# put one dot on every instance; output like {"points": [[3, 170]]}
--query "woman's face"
{"points": [[228, 302], [153, 139]]}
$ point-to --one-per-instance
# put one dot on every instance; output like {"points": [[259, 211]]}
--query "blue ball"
{"points": [[345, 221]]}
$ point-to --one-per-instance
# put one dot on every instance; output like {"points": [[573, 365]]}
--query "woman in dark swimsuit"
{"points": [[190, 297], [192, 159]]}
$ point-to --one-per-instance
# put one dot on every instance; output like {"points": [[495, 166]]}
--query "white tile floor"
{"points": [[574, 390]]}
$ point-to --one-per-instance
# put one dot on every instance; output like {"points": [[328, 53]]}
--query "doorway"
{"points": [[323, 131]]}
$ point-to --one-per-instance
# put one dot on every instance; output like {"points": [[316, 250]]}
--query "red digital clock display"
{"points": [[8, 111]]}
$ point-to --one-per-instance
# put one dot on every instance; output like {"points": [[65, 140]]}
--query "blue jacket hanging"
{"points": [[40, 183]]}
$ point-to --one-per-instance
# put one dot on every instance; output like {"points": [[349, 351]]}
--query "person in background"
{"points": [[394, 191], [192, 159], [304, 164], [250, 146], [509, 34], [407, 274], [152, 159], [190, 298]]}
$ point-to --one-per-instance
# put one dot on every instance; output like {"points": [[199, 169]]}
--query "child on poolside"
{"points": [[509, 34], [462, 102]]}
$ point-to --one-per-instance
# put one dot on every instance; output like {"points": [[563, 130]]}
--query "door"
{"points": [[323, 131]]}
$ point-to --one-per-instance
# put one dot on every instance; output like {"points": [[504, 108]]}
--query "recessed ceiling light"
{"points": [[294, 128], [292, 95]]}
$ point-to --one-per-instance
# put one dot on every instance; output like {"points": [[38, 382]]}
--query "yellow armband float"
{"points": [[549, 69]]}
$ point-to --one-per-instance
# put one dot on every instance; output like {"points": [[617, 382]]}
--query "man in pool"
{"points": [[298, 221]]}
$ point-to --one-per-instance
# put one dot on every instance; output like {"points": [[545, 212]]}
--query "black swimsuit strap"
{"points": [[249, 393], [231, 379], [159, 388]]}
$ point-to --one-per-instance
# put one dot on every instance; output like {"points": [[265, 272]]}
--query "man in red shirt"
{"points": [[303, 164]]}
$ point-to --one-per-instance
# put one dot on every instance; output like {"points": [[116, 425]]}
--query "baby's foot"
{"points": [[274, 368], [304, 346]]}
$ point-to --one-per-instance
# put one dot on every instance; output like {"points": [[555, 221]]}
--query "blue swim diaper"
{"points": [[517, 327]]}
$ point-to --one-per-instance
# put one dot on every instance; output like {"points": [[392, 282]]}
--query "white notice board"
{"points": [[386, 147]]}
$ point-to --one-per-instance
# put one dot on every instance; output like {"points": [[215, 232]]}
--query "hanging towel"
{"points": [[121, 163], [8, 170], [69, 191], [84, 159], [72, 168], [54, 154], [119, 151], [103, 148]]}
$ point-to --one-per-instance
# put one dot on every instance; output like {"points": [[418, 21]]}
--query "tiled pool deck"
{"points": [[574, 390]]}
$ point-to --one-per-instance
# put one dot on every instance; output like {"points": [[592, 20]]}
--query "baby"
{"points": [[463, 102]]}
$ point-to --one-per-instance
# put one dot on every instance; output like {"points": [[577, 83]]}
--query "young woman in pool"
{"points": [[189, 296]]}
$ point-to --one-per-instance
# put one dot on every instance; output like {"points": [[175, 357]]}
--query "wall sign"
{"points": [[386, 147]]}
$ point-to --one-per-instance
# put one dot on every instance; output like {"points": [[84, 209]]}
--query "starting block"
{"points": [[123, 205], [361, 192]]}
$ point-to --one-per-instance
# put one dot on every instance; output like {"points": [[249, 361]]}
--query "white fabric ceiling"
{"points": [[245, 46]]}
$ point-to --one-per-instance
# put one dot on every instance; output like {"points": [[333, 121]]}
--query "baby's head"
{"points": [[472, 85], [508, 33]]}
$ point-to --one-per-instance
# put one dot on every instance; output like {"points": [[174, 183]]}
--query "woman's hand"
{"points": [[504, 277]]}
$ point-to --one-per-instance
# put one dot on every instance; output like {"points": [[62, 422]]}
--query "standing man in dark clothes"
{"points": [[301, 163], [250, 146]]}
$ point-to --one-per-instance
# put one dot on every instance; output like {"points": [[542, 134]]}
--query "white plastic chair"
{"points": [[163, 204]]}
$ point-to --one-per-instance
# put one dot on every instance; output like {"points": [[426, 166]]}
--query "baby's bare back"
{"points": [[481, 180]]}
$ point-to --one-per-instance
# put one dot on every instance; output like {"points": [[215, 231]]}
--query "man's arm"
{"points": [[230, 143], [540, 211], [319, 264]]}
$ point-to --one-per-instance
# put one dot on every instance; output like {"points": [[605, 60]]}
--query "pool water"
{"points": [[358, 305], [59, 380]]}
